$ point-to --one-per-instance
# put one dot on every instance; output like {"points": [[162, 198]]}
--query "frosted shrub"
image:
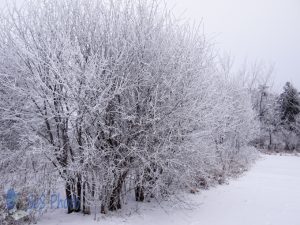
{"points": [[113, 96]]}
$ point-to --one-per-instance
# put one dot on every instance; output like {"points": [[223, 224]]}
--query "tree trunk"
{"points": [[69, 197], [139, 193], [270, 140], [85, 208], [78, 196], [115, 198]]}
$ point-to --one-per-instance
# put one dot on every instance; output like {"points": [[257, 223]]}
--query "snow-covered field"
{"points": [[269, 194]]}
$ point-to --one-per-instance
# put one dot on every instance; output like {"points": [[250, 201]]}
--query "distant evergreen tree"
{"points": [[289, 103]]}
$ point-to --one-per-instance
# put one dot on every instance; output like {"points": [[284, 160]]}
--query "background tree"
{"points": [[289, 108], [289, 104]]}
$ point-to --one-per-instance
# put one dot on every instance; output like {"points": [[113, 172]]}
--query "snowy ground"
{"points": [[268, 194]]}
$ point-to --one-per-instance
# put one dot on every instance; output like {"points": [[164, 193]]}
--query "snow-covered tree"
{"points": [[289, 102], [289, 109], [116, 97]]}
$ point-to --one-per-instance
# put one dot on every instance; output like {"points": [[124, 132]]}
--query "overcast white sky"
{"points": [[267, 30]]}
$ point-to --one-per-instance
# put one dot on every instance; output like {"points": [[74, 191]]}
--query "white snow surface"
{"points": [[268, 194]]}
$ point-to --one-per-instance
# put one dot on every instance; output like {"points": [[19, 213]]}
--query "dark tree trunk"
{"points": [[78, 197], [85, 207], [69, 197], [287, 147], [115, 198], [139, 193], [83, 199], [270, 141]]}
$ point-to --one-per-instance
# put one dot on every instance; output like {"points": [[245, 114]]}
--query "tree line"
{"points": [[279, 116]]}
